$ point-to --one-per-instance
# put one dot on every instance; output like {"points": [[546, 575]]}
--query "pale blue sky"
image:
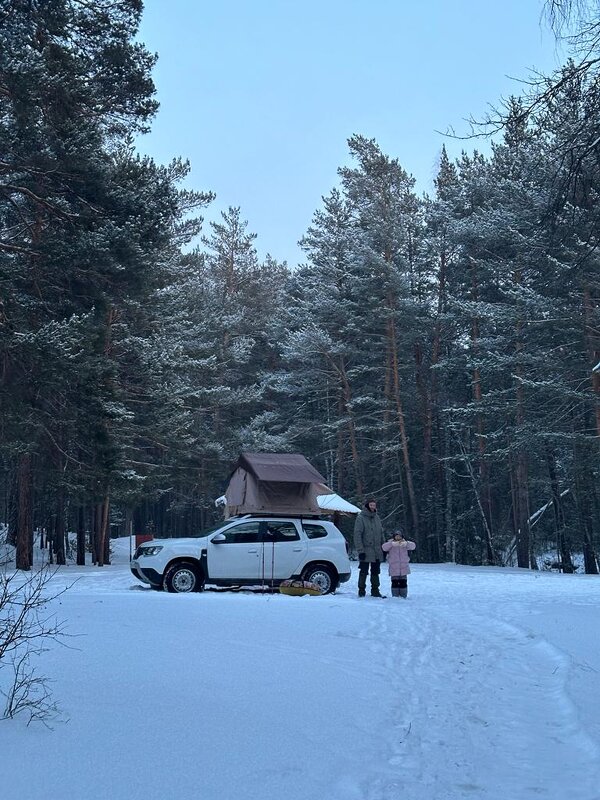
{"points": [[261, 95]]}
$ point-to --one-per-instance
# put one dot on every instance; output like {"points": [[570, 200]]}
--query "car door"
{"points": [[285, 549], [236, 555]]}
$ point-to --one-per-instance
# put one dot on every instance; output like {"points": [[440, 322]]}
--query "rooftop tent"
{"points": [[274, 483], [280, 467]]}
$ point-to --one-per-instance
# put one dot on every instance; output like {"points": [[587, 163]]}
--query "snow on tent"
{"points": [[274, 483], [333, 503]]}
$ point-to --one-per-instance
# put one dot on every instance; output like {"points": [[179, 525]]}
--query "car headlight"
{"points": [[151, 551]]}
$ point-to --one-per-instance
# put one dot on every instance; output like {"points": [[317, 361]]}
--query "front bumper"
{"points": [[145, 574], [344, 576]]}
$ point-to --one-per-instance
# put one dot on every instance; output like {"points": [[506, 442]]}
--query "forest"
{"points": [[440, 352]]}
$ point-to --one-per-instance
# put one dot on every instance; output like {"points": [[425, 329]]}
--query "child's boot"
{"points": [[403, 588], [395, 587]]}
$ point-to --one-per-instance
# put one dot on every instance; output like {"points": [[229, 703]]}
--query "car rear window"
{"points": [[314, 531]]}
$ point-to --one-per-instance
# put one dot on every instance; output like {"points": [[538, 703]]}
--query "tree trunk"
{"points": [[59, 527], [107, 541], [13, 509], [524, 548], [592, 340], [346, 399], [483, 468], [102, 533], [24, 555], [521, 498], [81, 536], [426, 412], [340, 487], [489, 554], [95, 531], [562, 543], [412, 499], [50, 539], [583, 498], [450, 537], [590, 561]]}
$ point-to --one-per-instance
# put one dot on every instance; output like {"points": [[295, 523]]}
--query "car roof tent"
{"points": [[280, 467], [274, 483]]}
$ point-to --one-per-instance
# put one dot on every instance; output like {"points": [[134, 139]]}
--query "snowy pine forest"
{"points": [[438, 351]]}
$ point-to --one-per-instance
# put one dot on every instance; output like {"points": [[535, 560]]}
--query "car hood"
{"points": [[188, 541]]}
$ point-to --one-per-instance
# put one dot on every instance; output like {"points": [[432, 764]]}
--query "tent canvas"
{"points": [[274, 483]]}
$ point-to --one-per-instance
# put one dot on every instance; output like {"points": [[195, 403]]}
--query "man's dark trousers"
{"points": [[363, 569]]}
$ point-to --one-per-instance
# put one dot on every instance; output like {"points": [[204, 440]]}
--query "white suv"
{"points": [[247, 551]]}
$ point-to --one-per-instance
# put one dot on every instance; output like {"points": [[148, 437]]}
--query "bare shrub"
{"points": [[27, 627]]}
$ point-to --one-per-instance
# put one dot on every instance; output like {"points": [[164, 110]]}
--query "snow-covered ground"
{"points": [[483, 684]]}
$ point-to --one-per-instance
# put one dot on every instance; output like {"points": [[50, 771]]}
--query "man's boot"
{"points": [[362, 578]]}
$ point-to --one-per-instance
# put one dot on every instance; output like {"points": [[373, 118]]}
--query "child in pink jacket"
{"points": [[398, 562]]}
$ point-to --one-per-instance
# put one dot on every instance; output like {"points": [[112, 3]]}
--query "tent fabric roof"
{"points": [[280, 467]]}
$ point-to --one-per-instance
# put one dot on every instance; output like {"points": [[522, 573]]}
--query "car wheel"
{"points": [[321, 575], [183, 577]]}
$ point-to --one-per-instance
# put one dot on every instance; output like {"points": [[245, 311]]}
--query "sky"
{"points": [[262, 95]]}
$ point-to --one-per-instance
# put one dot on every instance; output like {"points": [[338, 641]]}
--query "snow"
{"points": [[483, 684], [333, 502]]}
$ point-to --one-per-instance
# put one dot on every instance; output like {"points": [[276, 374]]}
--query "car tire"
{"points": [[323, 576], [183, 577]]}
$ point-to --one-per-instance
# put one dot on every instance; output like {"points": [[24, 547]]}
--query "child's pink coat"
{"points": [[398, 558]]}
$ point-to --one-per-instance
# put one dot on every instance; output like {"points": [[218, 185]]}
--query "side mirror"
{"points": [[219, 538]]}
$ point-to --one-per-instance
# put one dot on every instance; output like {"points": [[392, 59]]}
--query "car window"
{"points": [[281, 532], [245, 533], [314, 531]]}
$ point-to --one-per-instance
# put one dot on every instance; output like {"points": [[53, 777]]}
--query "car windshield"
{"points": [[206, 531]]}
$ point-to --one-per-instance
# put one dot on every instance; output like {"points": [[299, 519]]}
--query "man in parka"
{"points": [[368, 539]]}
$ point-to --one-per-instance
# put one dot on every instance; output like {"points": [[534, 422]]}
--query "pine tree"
{"points": [[387, 216]]}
